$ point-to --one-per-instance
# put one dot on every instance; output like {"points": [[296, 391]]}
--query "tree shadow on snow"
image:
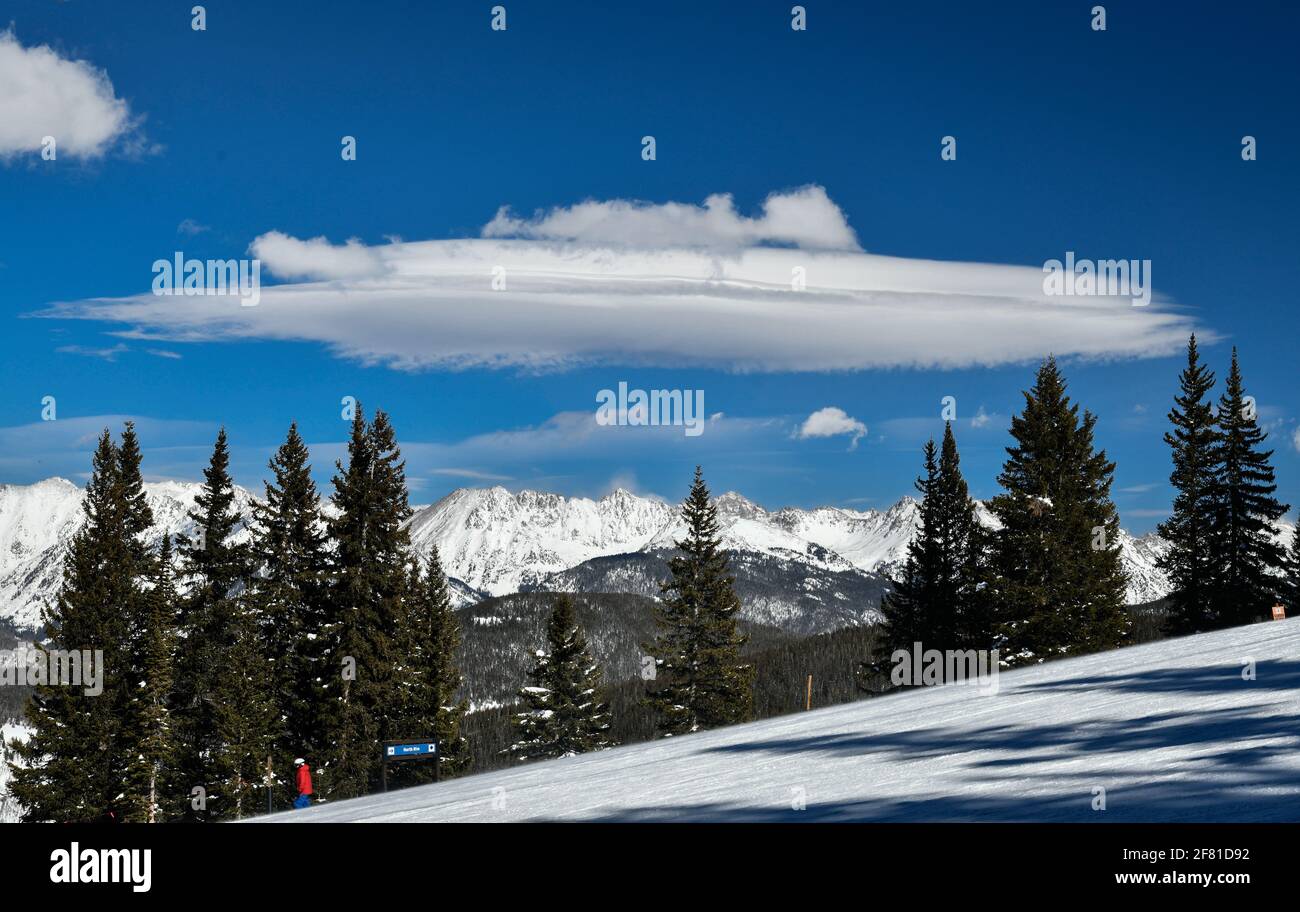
{"points": [[1216, 765]]}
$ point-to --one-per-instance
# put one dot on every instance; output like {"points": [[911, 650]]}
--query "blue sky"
{"points": [[1124, 143]]}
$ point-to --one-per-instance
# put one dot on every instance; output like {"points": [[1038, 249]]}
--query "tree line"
{"points": [[224, 659], [318, 637], [1047, 582], [323, 636]]}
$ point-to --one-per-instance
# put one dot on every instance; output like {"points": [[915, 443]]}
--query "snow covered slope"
{"points": [[1170, 730]]}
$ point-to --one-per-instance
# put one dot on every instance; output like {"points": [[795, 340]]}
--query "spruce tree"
{"points": [[370, 572], [1191, 558], [908, 608], [137, 737], [215, 654], [432, 641], [243, 716], [1059, 580], [940, 599], [1291, 593], [565, 712], [150, 711], [289, 601], [1251, 563], [71, 767], [964, 546], [697, 651]]}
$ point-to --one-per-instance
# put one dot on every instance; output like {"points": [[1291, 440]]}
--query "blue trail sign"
{"points": [[409, 750], [403, 749]]}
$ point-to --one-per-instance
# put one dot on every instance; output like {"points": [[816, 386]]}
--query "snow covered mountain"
{"points": [[1170, 729], [803, 570], [37, 523], [498, 542]]}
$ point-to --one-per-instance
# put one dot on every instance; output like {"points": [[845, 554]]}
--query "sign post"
{"points": [[409, 750]]}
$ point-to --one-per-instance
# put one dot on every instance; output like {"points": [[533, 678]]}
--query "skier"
{"points": [[304, 784]]}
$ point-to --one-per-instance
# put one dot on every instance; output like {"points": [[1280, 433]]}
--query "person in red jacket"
{"points": [[304, 784]]}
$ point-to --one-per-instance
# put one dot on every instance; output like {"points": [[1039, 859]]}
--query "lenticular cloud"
{"points": [[617, 282]]}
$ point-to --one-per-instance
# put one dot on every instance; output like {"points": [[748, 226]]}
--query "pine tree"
{"points": [[697, 651], [150, 712], [964, 555], [1059, 580], [1250, 562], [565, 714], [364, 666], [289, 600], [243, 715], [1190, 560], [908, 608], [940, 599], [432, 642], [70, 769], [215, 654], [1291, 593]]}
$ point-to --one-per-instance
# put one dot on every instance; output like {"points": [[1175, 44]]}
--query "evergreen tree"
{"points": [[1291, 593], [908, 609], [136, 738], [289, 600], [565, 714], [697, 651], [150, 712], [1059, 581], [243, 715], [1191, 558], [1251, 562], [433, 640], [364, 666], [940, 599], [216, 653], [138, 517], [70, 769], [964, 546]]}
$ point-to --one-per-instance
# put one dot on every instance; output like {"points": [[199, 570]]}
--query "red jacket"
{"points": [[304, 780]]}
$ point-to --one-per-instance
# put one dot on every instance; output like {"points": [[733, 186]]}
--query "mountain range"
{"points": [[804, 571]]}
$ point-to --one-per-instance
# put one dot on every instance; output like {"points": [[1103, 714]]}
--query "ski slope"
{"points": [[1170, 730]]}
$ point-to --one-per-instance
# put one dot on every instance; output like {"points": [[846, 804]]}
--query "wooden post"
{"points": [[808, 698]]}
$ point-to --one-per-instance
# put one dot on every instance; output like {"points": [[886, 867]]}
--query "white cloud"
{"points": [[803, 218], [470, 473], [981, 419], [1295, 439], [832, 422], [431, 304], [317, 258], [190, 228], [46, 94], [108, 354]]}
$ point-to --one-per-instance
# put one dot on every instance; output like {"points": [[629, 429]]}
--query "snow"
{"points": [[9, 809], [38, 521], [494, 542], [1170, 730]]}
